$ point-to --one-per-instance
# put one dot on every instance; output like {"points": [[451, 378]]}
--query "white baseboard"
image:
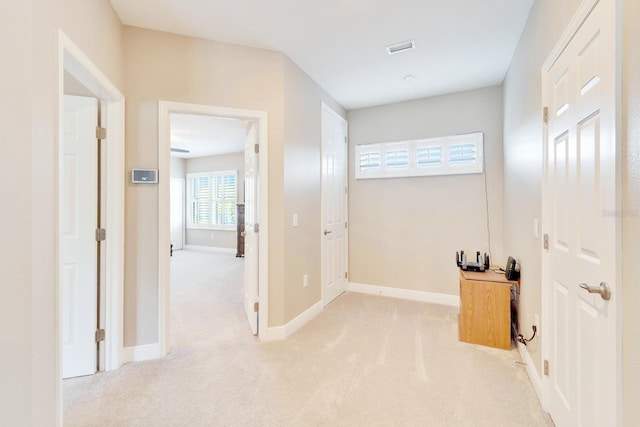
{"points": [[210, 249], [423, 296], [274, 333], [283, 332], [531, 370], [303, 318], [140, 353]]}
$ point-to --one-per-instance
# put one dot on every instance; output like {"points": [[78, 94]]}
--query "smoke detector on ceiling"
{"points": [[401, 47]]}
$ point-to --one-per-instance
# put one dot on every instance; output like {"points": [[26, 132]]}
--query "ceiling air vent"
{"points": [[401, 47]]}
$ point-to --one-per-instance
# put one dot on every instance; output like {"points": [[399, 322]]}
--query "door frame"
{"points": [[327, 108], [75, 62], [165, 108], [547, 348]]}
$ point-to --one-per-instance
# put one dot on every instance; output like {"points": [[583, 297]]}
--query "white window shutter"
{"points": [[449, 155], [396, 159], [211, 200], [368, 161]]}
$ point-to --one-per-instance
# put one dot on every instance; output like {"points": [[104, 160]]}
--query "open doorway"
{"points": [[214, 224], [207, 199]]}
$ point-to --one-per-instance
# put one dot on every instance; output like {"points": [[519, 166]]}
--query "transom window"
{"points": [[449, 155]]}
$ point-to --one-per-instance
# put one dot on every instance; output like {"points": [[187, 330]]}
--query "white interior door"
{"points": [[177, 212], [79, 247], [334, 204], [581, 218], [251, 191]]}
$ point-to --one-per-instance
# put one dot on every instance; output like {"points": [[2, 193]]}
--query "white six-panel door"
{"points": [[581, 218], [334, 204], [79, 247]]}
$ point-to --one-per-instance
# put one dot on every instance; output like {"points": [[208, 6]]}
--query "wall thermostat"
{"points": [[144, 176]]}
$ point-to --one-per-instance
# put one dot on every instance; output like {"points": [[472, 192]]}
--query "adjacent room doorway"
{"points": [[255, 233]]}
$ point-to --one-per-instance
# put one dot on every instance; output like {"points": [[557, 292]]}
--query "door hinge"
{"points": [[545, 115], [256, 228], [256, 306], [101, 133], [345, 224], [346, 190], [256, 148], [100, 334], [101, 234], [546, 368], [346, 140], [346, 275], [546, 241]]}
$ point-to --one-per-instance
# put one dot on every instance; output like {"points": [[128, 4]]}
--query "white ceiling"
{"points": [[460, 44], [206, 136]]}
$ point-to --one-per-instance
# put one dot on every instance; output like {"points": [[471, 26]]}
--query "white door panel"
{"points": [[79, 248], [251, 191], [334, 204], [176, 194], [581, 189]]}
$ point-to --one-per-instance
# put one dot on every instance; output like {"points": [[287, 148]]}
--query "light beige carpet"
{"points": [[364, 361]]}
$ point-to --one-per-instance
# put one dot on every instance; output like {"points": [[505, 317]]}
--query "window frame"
{"points": [[445, 166], [189, 199]]}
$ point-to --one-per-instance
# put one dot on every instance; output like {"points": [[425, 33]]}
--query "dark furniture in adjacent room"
{"points": [[240, 216]]}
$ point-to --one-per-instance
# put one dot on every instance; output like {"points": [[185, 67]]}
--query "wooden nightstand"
{"points": [[485, 309]]}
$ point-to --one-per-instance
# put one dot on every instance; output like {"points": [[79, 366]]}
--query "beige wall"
{"points": [[16, 305], [169, 67], [29, 84], [631, 210], [178, 168], [302, 101], [216, 238], [162, 66], [404, 232]]}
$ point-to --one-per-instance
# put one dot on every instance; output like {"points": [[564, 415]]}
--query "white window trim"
{"points": [[189, 224], [445, 168]]}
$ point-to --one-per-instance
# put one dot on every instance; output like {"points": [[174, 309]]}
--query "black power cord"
{"points": [[523, 340]]}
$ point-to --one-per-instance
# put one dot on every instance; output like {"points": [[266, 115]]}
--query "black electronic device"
{"points": [[481, 264], [512, 269]]}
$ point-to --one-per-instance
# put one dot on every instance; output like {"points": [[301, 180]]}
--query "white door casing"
{"points": [[251, 191], [581, 341], [334, 204], [72, 60], [177, 212], [165, 108], [79, 203]]}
